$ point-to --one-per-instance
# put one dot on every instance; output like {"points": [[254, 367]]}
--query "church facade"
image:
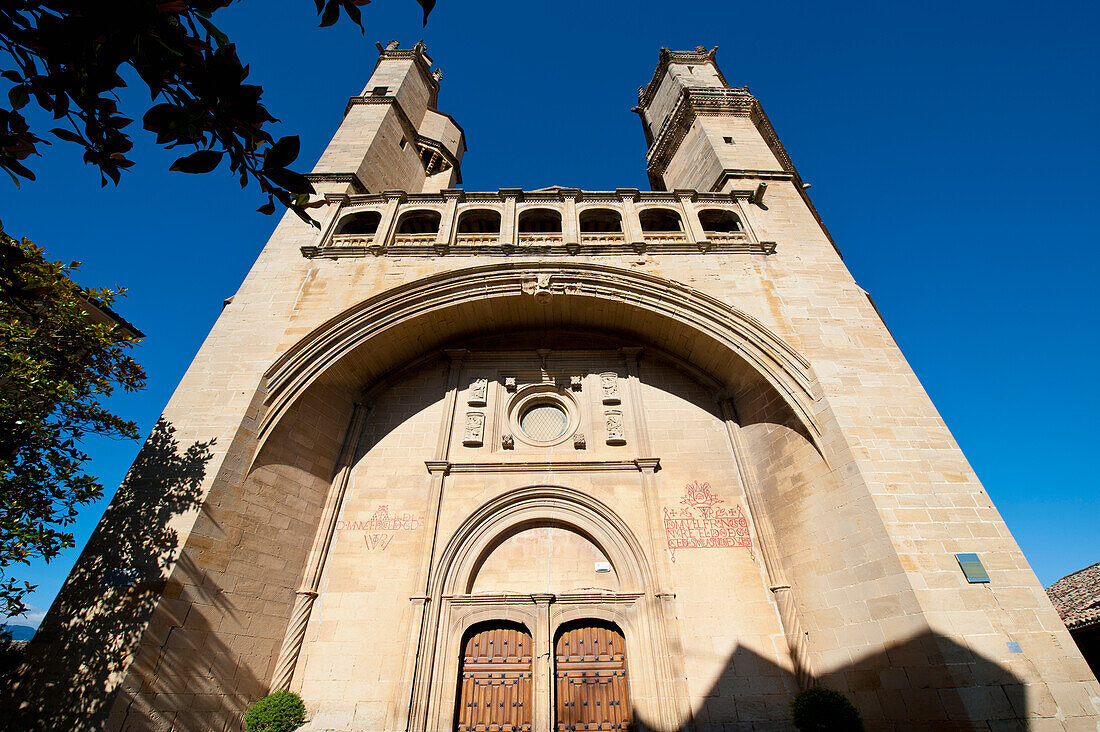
{"points": [[553, 460]]}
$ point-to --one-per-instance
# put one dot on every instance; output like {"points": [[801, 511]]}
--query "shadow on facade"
{"points": [[929, 682], [70, 675]]}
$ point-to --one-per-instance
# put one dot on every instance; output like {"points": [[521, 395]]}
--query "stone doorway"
{"points": [[590, 677], [495, 684]]}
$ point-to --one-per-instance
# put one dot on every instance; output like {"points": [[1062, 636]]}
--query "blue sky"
{"points": [[952, 149]]}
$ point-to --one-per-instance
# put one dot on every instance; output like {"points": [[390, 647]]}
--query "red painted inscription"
{"points": [[703, 524], [380, 529]]}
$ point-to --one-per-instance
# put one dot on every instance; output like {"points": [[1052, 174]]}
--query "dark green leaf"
{"points": [[427, 5], [18, 97], [282, 153], [331, 14], [17, 167], [289, 180], [202, 161], [68, 135]]}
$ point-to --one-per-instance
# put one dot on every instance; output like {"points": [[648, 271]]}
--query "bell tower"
{"points": [[392, 136], [703, 134]]}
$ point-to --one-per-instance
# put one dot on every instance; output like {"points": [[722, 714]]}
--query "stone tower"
{"points": [[549, 460]]}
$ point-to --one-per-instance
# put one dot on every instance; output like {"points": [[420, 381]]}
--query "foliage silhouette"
{"points": [[820, 709], [90, 633], [66, 56], [61, 350]]}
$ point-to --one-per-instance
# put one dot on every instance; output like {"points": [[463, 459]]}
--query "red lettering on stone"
{"points": [[702, 524]]}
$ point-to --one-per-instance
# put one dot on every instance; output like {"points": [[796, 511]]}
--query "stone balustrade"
{"points": [[556, 221]]}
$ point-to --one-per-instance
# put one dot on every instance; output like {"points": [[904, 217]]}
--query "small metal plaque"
{"points": [[973, 568]]}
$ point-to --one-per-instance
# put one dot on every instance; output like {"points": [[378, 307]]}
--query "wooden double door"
{"points": [[590, 683], [590, 678], [495, 680]]}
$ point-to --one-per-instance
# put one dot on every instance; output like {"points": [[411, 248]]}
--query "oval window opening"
{"points": [[544, 422]]}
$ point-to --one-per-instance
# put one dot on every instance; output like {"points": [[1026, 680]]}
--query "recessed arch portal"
{"points": [[368, 341], [632, 613]]}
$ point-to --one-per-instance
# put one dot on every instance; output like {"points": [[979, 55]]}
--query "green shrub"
{"points": [[819, 708], [280, 711]]}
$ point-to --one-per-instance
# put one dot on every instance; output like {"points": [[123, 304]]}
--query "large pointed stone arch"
{"points": [[367, 341]]}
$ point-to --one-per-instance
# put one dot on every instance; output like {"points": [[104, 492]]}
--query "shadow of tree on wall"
{"points": [[929, 682], [73, 669]]}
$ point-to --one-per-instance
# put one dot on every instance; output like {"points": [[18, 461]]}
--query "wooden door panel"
{"points": [[495, 685], [590, 679]]}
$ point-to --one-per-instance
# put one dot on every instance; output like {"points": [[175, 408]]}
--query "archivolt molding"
{"points": [[538, 505], [743, 335]]}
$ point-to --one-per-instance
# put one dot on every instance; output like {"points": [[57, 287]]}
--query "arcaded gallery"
{"points": [[552, 460]]}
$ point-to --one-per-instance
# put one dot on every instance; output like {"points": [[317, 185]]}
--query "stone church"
{"points": [[552, 460]]}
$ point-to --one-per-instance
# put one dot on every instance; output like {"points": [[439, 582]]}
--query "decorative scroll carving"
{"points": [[507, 442], [478, 389], [579, 441], [473, 436], [543, 288], [510, 383], [609, 385], [701, 524], [539, 286], [613, 420], [576, 383]]}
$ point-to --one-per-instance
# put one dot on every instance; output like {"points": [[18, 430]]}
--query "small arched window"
{"points": [[363, 223], [540, 221], [479, 221], [719, 221], [660, 219], [419, 222], [600, 220]]}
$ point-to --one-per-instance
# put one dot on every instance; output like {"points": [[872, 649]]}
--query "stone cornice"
{"points": [[693, 103], [747, 174], [553, 466], [410, 130], [557, 250], [370, 100], [518, 598], [418, 54], [667, 57], [641, 198], [339, 178], [436, 146]]}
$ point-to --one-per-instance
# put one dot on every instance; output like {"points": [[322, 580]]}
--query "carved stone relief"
{"points": [[613, 420], [478, 389], [576, 383], [507, 442], [609, 384], [579, 442], [474, 434]]}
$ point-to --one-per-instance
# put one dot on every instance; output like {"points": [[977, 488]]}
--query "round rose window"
{"points": [[544, 422]]}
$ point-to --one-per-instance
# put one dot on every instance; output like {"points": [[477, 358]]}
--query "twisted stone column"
{"points": [[769, 551], [322, 541]]}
